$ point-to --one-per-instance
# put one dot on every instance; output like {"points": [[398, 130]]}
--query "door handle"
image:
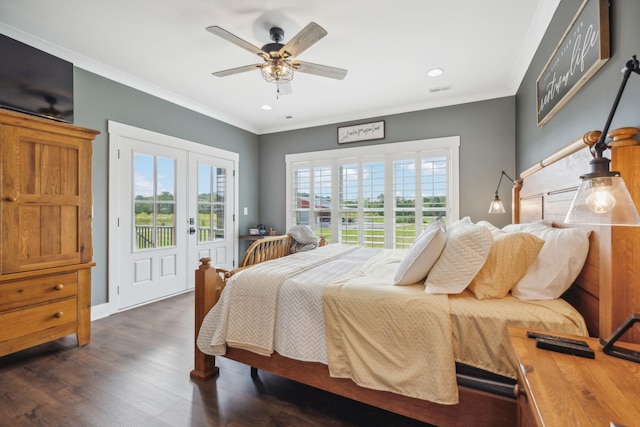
{"points": [[192, 230]]}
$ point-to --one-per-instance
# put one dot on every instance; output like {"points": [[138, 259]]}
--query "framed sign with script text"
{"points": [[583, 49], [363, 132]]}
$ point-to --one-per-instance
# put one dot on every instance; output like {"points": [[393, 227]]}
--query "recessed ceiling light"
{"points": [[266, 107], [435, 72]]}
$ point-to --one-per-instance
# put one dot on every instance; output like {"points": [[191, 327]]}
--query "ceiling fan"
{"points": [[279, 59]]}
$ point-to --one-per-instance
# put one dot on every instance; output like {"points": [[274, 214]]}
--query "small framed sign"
{"points": [[362, 132], [583, 49]]}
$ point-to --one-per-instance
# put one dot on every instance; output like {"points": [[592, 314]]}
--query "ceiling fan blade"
{"points": [[319, 70], [237, 70], [303, 40], [221, 32], [285, 88]]}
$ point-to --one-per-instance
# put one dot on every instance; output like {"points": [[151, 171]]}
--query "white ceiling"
{"points": [[161, 47]]}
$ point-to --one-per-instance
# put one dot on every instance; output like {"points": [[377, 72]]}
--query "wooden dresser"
{"points": [[556, 389], [45, 228]]}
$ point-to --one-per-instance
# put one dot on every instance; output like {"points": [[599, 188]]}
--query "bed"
{"points": [[544, 193]]}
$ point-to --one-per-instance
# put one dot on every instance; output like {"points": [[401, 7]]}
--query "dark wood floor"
{"points": [[135, 372]]}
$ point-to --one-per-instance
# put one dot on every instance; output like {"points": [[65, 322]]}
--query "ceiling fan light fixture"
{"points": [[277, 71]]}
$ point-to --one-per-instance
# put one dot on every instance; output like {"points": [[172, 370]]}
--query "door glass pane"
{"points": [[204, 203], [166, 178], [212, 184], [144, 209], [165, 225], [154, 201], [144, 233], [218, 202]]}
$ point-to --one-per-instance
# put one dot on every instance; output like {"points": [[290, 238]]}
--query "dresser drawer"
{"points": [[19, 323], [38, 289]]}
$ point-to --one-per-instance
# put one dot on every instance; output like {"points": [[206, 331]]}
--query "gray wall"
{"points": [[589, 107], [98, 99], [487, 134]]}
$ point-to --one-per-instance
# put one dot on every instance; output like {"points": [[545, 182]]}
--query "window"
{"points": [[154, 201], [374, 196]]}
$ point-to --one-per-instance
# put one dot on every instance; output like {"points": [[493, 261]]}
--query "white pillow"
{"points": [[463, 256], [518, 228], [422, 254], [557, 265]]}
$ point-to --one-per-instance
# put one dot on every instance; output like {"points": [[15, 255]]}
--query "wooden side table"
{"points": [[252, 237], [556, 389]]}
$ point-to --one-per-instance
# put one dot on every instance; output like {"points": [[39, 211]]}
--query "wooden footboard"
{"points": [[209, 284]]}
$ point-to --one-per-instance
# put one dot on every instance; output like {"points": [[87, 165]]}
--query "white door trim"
{"points": [[116, 131]]}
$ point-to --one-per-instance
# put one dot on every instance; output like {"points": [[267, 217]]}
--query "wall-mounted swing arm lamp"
{"points": [[496, 205], [603, 198]]}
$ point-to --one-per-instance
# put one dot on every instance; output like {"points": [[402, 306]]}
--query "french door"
{"points": [[174, 207], [210, 215], [153, 246]]}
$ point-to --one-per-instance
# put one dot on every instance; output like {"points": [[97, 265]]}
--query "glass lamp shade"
{"points": [[496, 206], [603, 201], [277, 71]]}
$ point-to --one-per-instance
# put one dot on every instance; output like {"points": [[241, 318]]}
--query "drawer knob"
{"points": [[519, 391], [58, 314], [11, 199], [59, 287]]}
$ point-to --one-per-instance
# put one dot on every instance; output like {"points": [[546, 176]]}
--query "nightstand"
{"points": [[556, 389]]}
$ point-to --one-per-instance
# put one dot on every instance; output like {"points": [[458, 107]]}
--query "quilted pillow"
{"points": [[510, 256], [464, 254], [557, 265], [459, 223], [422, 254], [492, 228]]}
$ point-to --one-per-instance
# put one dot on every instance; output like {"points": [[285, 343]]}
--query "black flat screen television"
{"points": [[35, 82]]}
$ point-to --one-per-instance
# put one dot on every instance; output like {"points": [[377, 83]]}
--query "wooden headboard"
{"points": [[545, 191]]}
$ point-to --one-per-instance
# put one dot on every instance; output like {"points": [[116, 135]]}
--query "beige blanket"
{"points": [[393, 338], [480, 336], [403, 340], [254, 296]]}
